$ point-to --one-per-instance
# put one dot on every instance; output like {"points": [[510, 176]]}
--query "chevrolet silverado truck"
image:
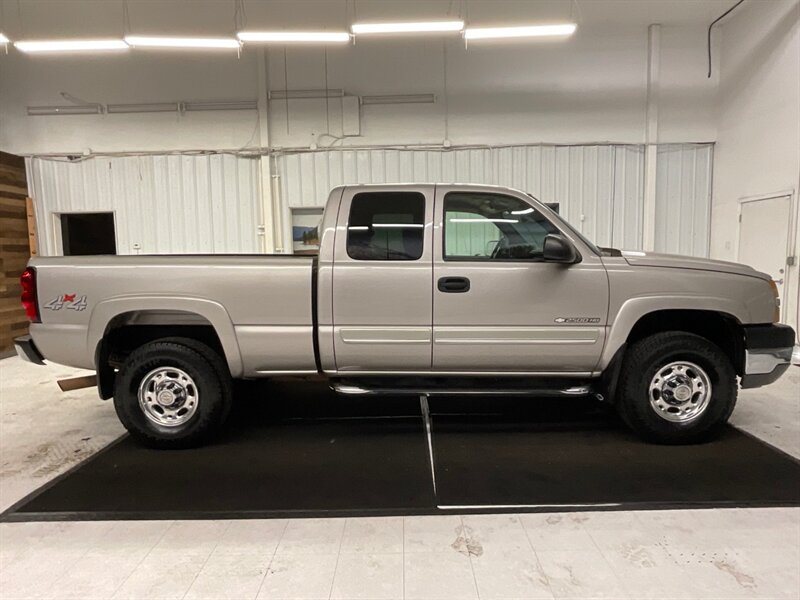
{"points": [[417, 289]]}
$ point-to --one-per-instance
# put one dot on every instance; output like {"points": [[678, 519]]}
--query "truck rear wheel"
{"points": [[173, 393], [676, 388]]}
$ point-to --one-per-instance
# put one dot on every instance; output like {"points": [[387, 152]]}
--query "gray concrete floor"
{"points": [[714, 553]]}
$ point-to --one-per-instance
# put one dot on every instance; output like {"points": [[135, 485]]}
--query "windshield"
{"points": [[561, 221]]}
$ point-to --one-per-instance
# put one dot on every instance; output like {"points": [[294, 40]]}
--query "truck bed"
{"points": [[260, 306]]}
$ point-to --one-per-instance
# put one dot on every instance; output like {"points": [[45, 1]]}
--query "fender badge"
{"points": [[68, 301], [574, 320]]}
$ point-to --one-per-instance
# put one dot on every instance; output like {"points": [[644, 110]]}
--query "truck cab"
{"points": [[456, 280]]}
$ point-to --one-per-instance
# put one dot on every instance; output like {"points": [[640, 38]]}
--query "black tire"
{"points": [[209, 374], [642, 361]]}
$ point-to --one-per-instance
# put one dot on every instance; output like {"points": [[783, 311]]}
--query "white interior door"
{"points": [[764, 236]]}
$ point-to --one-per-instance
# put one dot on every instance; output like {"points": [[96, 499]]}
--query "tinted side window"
{"points": [[386, 226], [479, 226]]}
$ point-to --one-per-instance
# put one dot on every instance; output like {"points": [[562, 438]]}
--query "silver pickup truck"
{"points": [[418, 289]]}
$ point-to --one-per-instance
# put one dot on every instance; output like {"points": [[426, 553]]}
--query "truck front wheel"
{"points": [[173, 393], [676, 388]]}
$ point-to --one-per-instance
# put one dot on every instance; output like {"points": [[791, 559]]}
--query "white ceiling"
{"points": [[92, 18]]}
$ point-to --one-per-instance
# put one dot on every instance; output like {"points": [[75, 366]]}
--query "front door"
{"points": [[497, 305], [382, 306], [762, 220]]}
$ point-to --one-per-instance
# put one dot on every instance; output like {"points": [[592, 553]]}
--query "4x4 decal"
{"points": [[68, 301]]}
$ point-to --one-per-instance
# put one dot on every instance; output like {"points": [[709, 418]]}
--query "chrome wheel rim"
{"points": [[168, 396], [680, 391]]}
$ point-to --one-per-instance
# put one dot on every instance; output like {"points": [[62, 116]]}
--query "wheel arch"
{"points": [[121, 325], [720, 326]]}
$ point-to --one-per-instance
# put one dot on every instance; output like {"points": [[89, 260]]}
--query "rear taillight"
{"points": [[29, 300]]}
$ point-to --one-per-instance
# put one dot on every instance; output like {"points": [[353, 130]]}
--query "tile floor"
{"points": [[730, 553]]}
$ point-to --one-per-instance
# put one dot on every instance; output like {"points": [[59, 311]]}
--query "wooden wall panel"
{"points": [[15, 248]]}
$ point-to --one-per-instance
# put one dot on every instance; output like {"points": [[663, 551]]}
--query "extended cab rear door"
{"points": [[383, 261], [497, 305]]}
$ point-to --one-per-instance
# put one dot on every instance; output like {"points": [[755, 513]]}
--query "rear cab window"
{"points": [[386, 226]]}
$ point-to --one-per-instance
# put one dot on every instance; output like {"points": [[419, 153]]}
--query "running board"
{"points": [[358, 390]]}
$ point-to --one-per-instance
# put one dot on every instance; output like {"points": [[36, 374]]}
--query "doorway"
{"points": [[764, 236], [88, 233]]}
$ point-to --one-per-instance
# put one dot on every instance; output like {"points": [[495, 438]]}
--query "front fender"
{"points": [[211, 311], [634, 309]]}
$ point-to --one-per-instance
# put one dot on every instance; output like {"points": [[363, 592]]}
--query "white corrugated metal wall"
{"points": [[683, 198], [600, 187], [210, 203], [165, 204]]}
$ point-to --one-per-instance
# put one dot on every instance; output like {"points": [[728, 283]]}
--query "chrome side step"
{"points": [[357, 390]]}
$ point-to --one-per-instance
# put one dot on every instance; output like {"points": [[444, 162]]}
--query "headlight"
{"points": [[776, 315]]}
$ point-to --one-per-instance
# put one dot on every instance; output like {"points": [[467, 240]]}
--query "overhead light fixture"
{"points": [[421, 27], [4, 39], [304, 94], [69, 45], [483, 220], [486, 33], [222, 105], [74, 109], [181, 42], [142, 108], [399, 99], [288, 37]]}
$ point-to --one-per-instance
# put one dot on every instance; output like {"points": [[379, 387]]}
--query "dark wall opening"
{"points": [[88, 233]]}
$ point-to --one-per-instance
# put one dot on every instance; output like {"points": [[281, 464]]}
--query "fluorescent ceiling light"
{"points": [[424, 27], [331, 37], [223, 105], [3, 39], [69, 45], [73, 109], [485, 33], [483, 220], [302, 94], [399, 99], [181, 42], [142, 108]]}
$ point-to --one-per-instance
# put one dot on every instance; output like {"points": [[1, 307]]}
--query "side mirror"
{"points": [[559, 250]]}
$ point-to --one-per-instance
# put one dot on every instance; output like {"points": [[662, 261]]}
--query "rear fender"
{"points": [[213, 312]]}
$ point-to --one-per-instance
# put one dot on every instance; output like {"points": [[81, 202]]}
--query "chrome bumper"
{"points": [[768, 353], [760, 362]]}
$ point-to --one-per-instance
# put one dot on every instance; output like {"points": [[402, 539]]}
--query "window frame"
{"points": [[486, 259]]}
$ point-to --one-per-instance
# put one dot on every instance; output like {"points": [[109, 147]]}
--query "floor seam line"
{"points": [[139, 564], [467, 539], [272, 559], [404, 557], [338, 556], [536, 556], [205, 562]]}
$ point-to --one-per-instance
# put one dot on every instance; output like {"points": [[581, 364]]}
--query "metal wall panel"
{"points": [[167, 204], [599, 187], [683, 198], [210, 203]]}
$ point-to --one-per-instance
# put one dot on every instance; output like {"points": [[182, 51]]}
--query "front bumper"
{"points": [[27, 350], [768, 353]]}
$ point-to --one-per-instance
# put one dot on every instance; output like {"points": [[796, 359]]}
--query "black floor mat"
{"points": [[296, 449], [271, 460], [492, 460]]}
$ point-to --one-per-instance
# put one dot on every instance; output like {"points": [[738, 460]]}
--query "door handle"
{"points": [[453, 285]]}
